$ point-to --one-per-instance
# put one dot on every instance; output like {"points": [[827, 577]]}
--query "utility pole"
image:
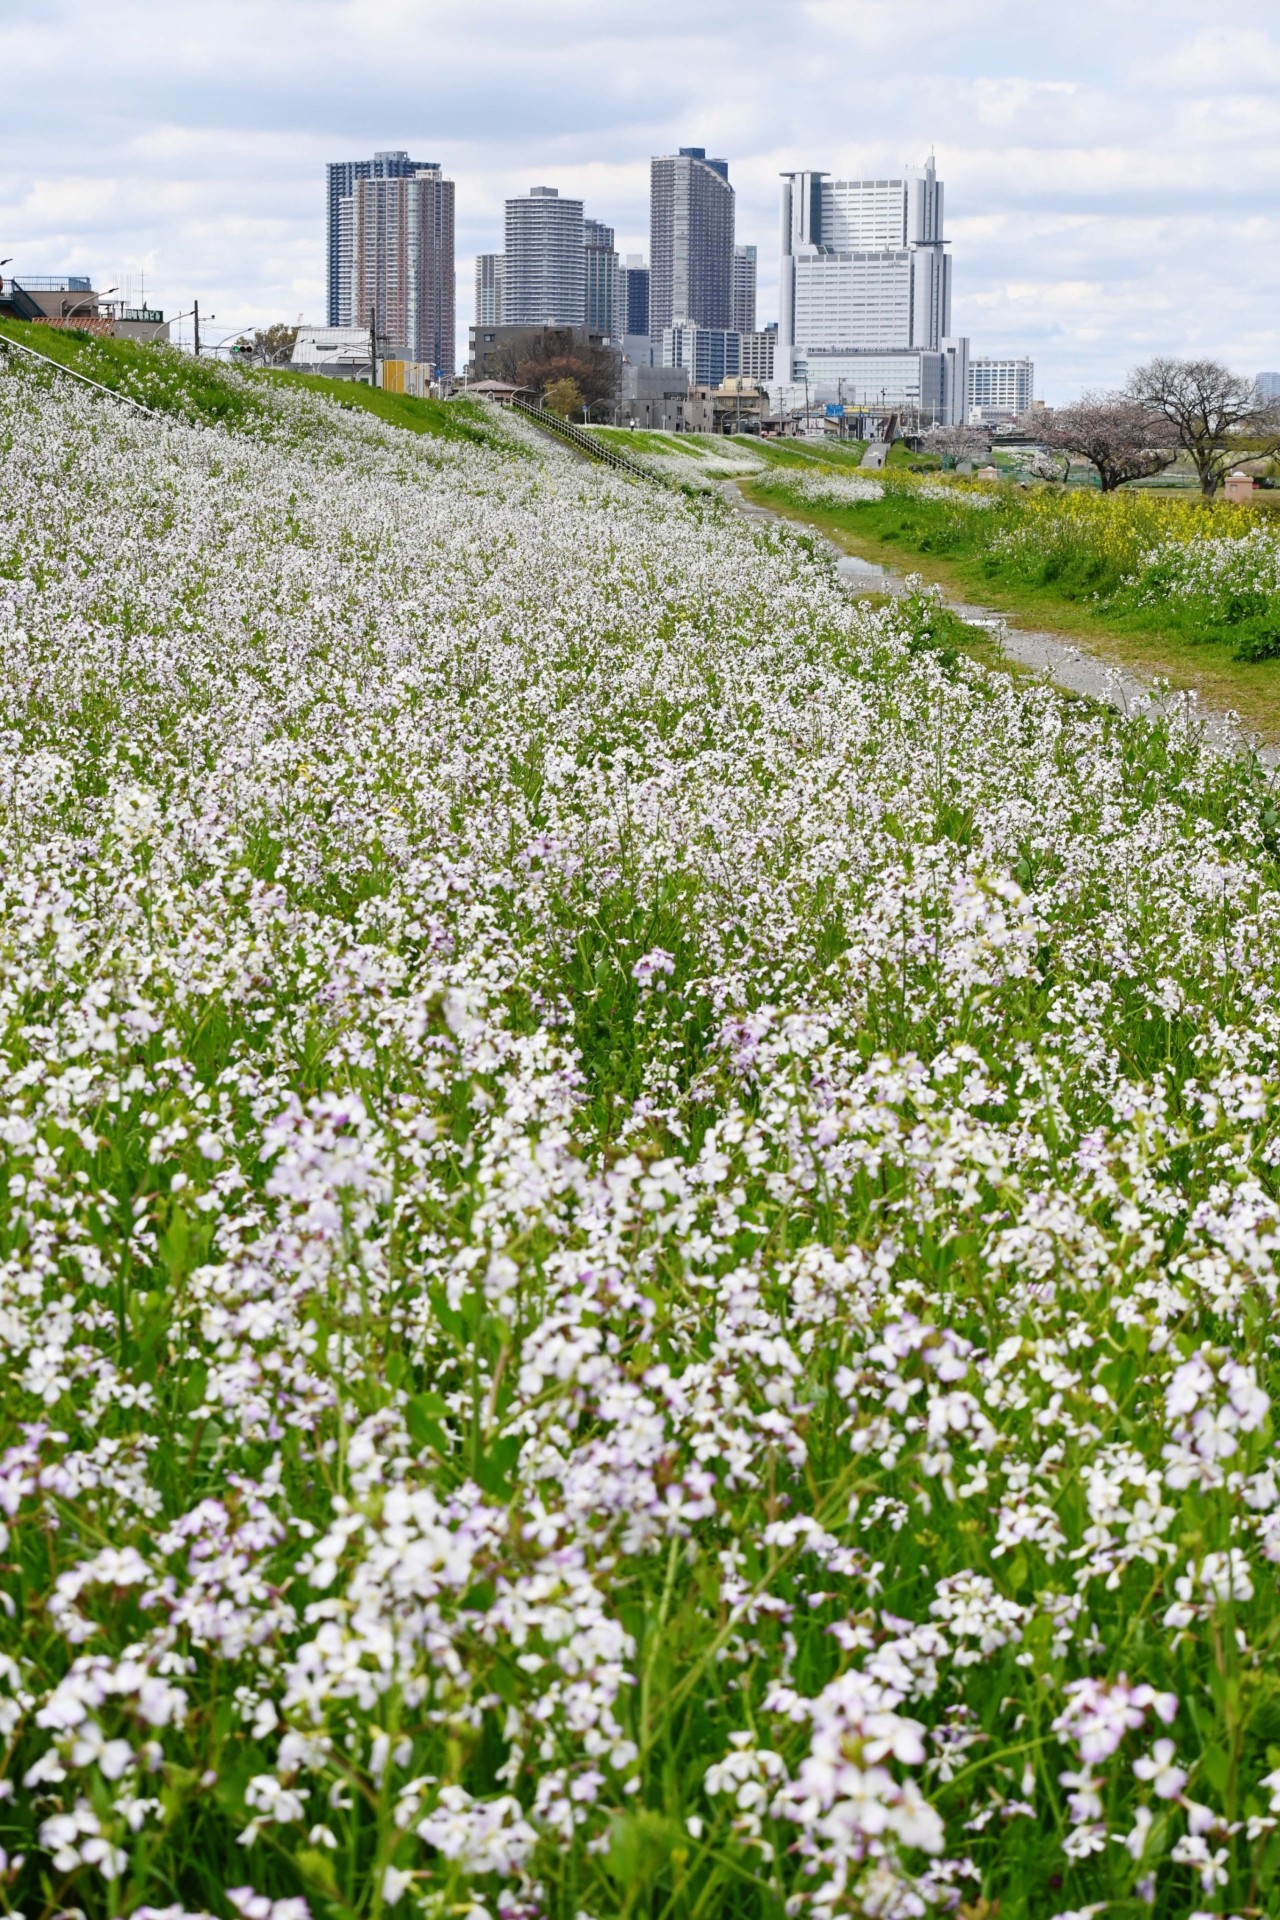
{"points": [[373, 344], [196, 312]]}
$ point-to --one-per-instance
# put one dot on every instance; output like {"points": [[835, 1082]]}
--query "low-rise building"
{"points": [[339, 353], [739, 406], [926, 388], [662, 400], [709, 355], [758, 356], [493, 349]]}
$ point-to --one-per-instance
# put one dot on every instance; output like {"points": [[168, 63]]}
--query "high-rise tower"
{"points": [[690, 241], [342, 177], [490, 268], [744, 289], [604, 287], [544, 272], [403, 270]]}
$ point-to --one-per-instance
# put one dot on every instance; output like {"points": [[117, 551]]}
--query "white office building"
{"points": [[1000, 389], [865, 278], [544, 273]]}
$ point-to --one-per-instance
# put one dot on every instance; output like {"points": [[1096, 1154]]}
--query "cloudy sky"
{"points": [[1112, 167]]}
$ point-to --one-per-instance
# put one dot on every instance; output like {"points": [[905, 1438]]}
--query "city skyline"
{"points": [[1110, 195]]}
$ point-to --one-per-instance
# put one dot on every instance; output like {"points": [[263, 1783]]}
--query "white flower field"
{"points": [[639, 1265]]}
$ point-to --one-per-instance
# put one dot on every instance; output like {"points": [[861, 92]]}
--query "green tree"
{"points": [[564, 397]]}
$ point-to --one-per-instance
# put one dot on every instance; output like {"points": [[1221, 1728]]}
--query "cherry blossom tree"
{"points": [[1116, 433]]}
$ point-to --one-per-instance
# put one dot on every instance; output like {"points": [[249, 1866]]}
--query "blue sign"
{"points": [[834, 412]]}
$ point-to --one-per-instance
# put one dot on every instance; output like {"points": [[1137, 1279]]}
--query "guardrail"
{"points": [[584, 442]]}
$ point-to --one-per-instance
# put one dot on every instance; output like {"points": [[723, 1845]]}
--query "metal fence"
{"points": [[584, 442]]}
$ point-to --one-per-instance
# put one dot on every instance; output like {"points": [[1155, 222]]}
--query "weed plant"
{"points": [[638, 1236]]}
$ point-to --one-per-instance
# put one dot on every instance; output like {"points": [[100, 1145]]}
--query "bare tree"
{"points": [[1116, 433], [1210, 409], [958, 443]]}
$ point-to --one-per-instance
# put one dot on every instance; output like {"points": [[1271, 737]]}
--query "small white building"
{"points": [[340, 353]]}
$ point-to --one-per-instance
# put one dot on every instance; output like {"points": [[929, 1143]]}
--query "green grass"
{"points": [[459, 419]]}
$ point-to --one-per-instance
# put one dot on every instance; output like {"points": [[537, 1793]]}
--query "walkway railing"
{"points": [[584, 442]]}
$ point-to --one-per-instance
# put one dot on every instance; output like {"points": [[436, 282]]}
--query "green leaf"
{"points": [[194, 1386], [175, 1241], [493, 1473], [422, 1417], [1216, 1767], [318, 1867], [640, 1845]]}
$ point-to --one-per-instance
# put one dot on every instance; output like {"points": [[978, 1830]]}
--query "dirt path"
{"points": [[1067, 663]]}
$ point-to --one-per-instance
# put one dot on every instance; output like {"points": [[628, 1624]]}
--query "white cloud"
{"points": [[1112, 170]]}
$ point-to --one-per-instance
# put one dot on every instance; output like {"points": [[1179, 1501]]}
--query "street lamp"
{"points": [[68, 311]]}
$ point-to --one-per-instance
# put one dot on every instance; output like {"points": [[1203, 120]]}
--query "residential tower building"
{"points": [[604, 289], [489, 274], [544, 276], [403, 273], [744, 289], [342, 177], [691, 213], [637, 284]]}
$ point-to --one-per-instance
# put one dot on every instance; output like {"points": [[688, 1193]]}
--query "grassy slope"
{"points": [[1152, 645], [451, 420], [204, 390]]}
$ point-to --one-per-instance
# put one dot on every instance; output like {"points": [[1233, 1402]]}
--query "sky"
{"points": [[1112, 167]]}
